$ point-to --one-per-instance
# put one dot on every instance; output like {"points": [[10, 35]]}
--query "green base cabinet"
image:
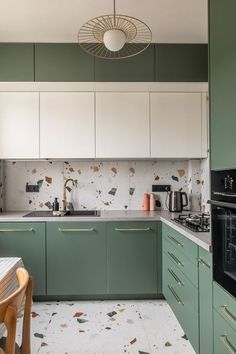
{"points": [[132, 257], [76, 258], [27, 241], [205, 302]]}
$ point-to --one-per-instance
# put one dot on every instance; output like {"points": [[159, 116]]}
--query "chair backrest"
{"points": [[17, 296]]}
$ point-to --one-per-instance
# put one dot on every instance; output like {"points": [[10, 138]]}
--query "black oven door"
{"points": [[224, 245]]}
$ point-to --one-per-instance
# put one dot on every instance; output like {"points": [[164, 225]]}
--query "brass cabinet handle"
{"points": [[180, 302], [227, 344], [176, 241], [77, 230], [228, 314], [17, 230], [125, 230], [176, 278], [203, 263], [176, 260]]}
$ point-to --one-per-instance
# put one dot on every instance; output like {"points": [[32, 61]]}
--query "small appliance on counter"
{"points": [[175, 201], [196, 223]]}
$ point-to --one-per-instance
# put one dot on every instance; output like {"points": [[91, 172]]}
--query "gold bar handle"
{"points": [[227, 344], [203, 263], [180, 302], [176, 241], [175, 259], [77, 230], [176, 278], [17, 230], [228, 314], [125, 230]]}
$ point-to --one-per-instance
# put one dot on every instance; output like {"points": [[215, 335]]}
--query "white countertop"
{"points": [[202, 239]]}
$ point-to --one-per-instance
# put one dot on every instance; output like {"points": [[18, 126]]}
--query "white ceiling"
{"points": [[171, 21]]}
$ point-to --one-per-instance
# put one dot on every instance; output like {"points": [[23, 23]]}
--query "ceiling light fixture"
{"points": [[114, 36]]}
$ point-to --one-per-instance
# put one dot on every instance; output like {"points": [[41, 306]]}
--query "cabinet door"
{"points": [[137, 68], [16, 62], [181, 62], [27, 241], [62, 62], [176, 125], [19, 125], [222, 64], [132, 258], [67, 125], [122, 125], [205, 302], [76, 258], [224, 336]]}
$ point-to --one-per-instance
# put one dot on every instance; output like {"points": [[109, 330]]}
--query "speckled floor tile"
{"points": [[105, 327]]}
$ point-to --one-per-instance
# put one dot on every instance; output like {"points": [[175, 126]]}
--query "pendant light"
{"points": [[114, 36]]}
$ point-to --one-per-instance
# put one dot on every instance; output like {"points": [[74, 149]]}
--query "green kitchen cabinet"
{"points": [[222, 68], [205, 302], [138, 68], [76, 258], [132, 258], [181, 62], [27, 241], [224, 336], [62, 62], [16, 62]]}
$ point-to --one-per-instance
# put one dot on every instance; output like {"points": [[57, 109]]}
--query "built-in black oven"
{"points": [[223, 213]]}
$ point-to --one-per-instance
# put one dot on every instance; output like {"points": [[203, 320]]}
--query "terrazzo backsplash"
{"points": [[103, 185]]}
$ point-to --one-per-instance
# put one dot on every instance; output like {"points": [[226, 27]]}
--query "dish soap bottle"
{"points": [[55, 205]]}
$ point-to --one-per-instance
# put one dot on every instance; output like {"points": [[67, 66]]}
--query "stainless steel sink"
{"points": [[49, 213]]}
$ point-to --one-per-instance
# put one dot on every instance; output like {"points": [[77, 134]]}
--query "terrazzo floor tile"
{"points": [[107, 327]]}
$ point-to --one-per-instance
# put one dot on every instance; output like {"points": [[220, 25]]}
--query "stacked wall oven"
{"points": [[223, 211]]}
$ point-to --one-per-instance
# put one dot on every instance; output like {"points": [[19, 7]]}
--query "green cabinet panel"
{"points": [[16, 62], [181, 62], [27, 241], [76, 258], [187, 267], [222, 66], [137, 68], [62, 62], [224, 336], [225, 305], [186, 314], [184, 245], [205, 302], [132, 257]]}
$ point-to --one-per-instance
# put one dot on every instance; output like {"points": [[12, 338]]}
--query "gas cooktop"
{"points": [[195, 222]]}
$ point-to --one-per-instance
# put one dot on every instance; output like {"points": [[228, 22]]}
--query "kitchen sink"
{"points": [[49, 213]]}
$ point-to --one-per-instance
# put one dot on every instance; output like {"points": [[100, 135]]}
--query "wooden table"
{"points": [[8, 280]]}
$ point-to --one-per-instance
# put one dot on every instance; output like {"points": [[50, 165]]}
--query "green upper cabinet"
{"points": [[16, 62], [62, 62], [222, 65], [137, 68], [181, 62]]}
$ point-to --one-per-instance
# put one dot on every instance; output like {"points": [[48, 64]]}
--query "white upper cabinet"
{"points": [[178, 125], [67, 125], [19, 125], [122, 125]]}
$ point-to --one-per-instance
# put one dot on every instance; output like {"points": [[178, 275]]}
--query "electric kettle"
{"points": [[175, 201]]}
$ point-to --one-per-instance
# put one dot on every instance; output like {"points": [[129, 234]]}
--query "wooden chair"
{"points": [[9, 308]]}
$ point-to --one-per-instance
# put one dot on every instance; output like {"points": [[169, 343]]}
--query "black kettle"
{"points": [[175, 201]]}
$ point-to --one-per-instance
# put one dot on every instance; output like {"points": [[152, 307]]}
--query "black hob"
{"points": [[195, 222]]}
